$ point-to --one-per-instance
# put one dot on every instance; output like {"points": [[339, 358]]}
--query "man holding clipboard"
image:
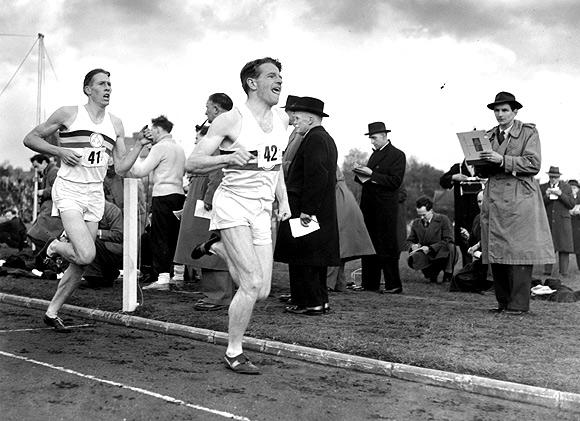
{"points": [[514, 228]]}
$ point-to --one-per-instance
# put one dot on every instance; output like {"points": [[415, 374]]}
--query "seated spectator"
{"points": [[473, 276], [430, 243], [109, 247], [12, 230]]}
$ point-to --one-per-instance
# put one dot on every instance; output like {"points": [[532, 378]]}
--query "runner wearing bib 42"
{"points": [[246, 193]]}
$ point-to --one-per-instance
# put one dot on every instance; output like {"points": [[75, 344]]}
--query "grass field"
{"points": [[427, 326]]}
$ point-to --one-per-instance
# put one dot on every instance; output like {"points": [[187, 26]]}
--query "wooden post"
{"points": [[130, 244]]}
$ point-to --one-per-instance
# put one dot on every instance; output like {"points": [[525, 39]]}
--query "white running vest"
{"points": [[94, 142], [258, 178]]}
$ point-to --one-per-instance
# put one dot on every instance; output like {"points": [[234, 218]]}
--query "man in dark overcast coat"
{"points": [[381, 180], [311, 193]]}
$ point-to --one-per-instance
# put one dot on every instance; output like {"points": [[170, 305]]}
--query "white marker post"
{"points": [[130, 243]]}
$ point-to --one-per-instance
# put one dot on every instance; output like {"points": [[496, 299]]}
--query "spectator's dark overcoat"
{"points": [[559, 218], [311, 190], [380, 199]]}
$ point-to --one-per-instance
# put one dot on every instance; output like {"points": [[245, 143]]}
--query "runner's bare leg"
{"points": [[80, 252], [247, 271]]}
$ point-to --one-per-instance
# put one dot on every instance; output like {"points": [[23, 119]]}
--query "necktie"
{"points": [[501, 137], [425, 223]]}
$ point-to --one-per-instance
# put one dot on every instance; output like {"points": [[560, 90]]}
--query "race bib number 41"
{"points": [[94, 157], [269, 156]]}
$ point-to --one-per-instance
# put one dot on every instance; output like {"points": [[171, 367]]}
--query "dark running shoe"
{"points": [[56, 323], [203, 249], [240, 364]]}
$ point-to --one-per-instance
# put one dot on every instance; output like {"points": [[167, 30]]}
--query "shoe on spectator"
{"points": [[203, 306], [56, 323], [496, 310], [307, 311], [241, 364], [398, 290], [515, 312], [285, 298], [161, 284]]}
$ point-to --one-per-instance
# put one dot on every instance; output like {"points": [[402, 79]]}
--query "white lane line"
{"points": [[132, 388], [41, 328]]}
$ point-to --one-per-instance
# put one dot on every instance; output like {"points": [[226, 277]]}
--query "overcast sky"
{"points": [[427, 68]]}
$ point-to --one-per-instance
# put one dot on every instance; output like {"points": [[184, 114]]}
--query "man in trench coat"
{"points": [[311, 193], [514, 228], [381, 181], [558, 200]]}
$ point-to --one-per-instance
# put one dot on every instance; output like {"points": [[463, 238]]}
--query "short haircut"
{"points": [[424, 201], [222, 100], [89, 77], [162, 122], [251, 70], [40, 158]]}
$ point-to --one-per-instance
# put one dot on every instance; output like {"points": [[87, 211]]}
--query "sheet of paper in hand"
{"points": [[201, 211], [473, 143], [298, 230], [362, 176]]}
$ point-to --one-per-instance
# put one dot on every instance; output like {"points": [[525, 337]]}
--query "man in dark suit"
{"points": [[311, 193], [461, 177], [381, 180], [430, 243], [558, 200]]}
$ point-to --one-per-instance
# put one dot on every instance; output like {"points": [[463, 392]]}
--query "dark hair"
{"points": [[424, 201], [250, 70], [40, 158], [222, 100], [89, 77], [162, 122]]}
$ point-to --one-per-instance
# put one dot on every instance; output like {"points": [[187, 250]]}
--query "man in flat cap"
{"points": [[514, 228], [381, 180], [311, 193]]}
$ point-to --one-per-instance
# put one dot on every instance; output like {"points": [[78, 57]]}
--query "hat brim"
{"points": [[515, 104], [378, 131], [308, 110], [554, 173]]}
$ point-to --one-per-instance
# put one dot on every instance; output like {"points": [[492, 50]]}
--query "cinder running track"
{"points": [[105, 372]]}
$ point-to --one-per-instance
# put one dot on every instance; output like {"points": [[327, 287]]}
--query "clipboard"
{"points": [[472, 143]]}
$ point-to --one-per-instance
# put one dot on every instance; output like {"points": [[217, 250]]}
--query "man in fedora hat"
{"points": [[295, 138], [381, 181], [311, 193], [558, 200], [514, 228]]}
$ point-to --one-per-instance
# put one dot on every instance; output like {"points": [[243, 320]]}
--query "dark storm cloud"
{"points": [[542, 33]]}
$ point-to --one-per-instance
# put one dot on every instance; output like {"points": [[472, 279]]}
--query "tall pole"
{"points": [[40, 78], [38, 116]]}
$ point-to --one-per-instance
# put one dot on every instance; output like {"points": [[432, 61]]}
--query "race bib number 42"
{"points": [[269, 156], [94, 157]]}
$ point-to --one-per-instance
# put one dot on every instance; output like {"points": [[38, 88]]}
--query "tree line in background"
{"points": [[17, 188]]}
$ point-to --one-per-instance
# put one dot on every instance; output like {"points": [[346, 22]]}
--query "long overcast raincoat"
{"points": [[514, 226]]}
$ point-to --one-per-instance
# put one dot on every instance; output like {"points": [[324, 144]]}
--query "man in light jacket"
{"points": [[514, 228]]}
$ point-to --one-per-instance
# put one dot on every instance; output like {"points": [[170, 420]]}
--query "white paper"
{"points": [[298, 230], [201, 211], [473, 143]]}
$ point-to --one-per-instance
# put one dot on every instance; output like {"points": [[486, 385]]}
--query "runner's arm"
{"points": [[36, 139], [124, 159], [202, 160], [282, 197]]}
